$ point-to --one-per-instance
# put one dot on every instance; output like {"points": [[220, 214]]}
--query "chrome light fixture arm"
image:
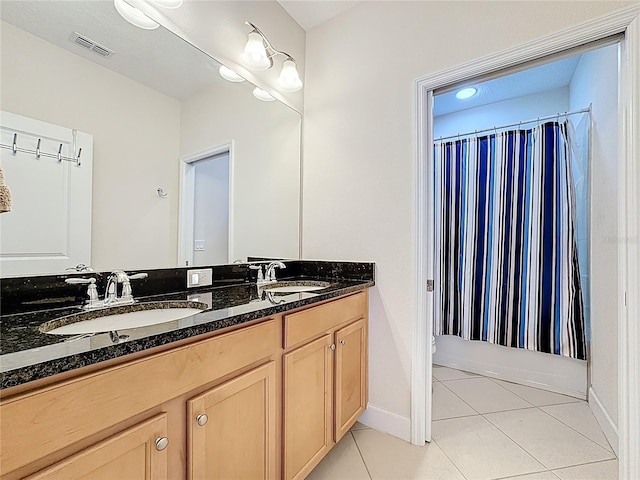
{"points": [[271, 51]]}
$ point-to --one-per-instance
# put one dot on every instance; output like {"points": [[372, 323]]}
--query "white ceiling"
{"points": [[156, 58], [311, 13], [163, 61], [527, 82]]}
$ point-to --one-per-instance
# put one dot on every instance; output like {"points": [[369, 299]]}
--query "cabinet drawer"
{"points": [[301, 326], [40, 423]]}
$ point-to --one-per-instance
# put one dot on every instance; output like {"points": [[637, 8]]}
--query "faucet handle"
{"points": [[260, 277], [127, 294], [92, 290], [137, 276], [79, 281]]}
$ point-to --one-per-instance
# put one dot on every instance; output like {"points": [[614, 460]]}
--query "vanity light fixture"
{"points": [[258, 55], [262, 95], [466, 93], [134, 16], [228, 74]]}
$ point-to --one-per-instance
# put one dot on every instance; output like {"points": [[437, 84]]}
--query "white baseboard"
{"points": [[607, 424], [553, 373], [386, 421]]}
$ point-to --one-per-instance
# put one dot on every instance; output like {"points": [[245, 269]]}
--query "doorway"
{"points": [[205, 236], [628, 23]]}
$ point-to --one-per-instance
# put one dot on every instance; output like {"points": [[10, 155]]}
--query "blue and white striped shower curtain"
{"points": [[506, 260]]}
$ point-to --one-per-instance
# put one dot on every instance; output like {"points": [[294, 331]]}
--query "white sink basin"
{"points": [[112, 319], [293, 289], [295, 286]]}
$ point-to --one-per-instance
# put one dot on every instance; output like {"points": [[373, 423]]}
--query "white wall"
{"points": [[505, 112], [359, 146], [136, 135], [595, 81], [217, 28], [265, 164]]}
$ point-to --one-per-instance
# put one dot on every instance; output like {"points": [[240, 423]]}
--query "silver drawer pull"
{"points": [[342, 342], [332, 346], [161, 443], [202, 419]]}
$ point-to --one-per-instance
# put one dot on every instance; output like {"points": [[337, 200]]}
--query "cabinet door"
{"points": [[351, 376], [132, 454], [308, 379], [232, 428]]}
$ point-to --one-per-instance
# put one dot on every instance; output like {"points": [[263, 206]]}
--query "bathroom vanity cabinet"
{"points": [[224, 405], [325, 380]]}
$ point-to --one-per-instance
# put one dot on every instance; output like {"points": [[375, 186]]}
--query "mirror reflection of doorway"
{"points": [[211, 210], [205, 225]]}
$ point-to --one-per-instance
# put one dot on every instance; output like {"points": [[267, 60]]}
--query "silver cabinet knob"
{"points": [[342, 342], [161, 443], [202, 419], [332, 346]]}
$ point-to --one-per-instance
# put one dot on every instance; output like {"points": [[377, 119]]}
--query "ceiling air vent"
{"points": [[89, 44]]}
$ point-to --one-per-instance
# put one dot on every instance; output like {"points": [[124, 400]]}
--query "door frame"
{"points": [[187, 201], [624, 21]]}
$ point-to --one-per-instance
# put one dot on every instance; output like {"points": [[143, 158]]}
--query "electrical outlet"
{"points": [[206, 297], [199, 278]]}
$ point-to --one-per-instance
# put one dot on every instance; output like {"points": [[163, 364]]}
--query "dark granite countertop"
{"points": [[27, 354]]}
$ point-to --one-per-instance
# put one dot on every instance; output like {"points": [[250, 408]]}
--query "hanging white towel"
{"points": [[5, 195]]}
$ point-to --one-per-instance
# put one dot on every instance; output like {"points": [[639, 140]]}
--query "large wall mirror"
{"points": [[187, 167]]}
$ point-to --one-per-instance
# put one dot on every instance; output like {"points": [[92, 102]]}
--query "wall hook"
{"points": [[161, 193], [38, 148], [15, 143], [60, 153]]}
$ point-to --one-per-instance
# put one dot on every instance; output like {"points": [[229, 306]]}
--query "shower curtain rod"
{"points": [[539, 119]]}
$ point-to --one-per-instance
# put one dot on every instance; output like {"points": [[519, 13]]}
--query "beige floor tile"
{"points": [[534, 476], [359, 426], [343, 462], [447, 404], [480, 450], [579, 417], [536, 396], [446, 373], [550, 441], [592, 471], [485, 396], [389, 458]]}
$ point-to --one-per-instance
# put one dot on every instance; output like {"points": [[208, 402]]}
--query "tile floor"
{"points": [[482, 429]]}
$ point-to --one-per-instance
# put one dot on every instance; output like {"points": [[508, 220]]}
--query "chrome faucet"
{"points": [[111, 292], [270, 271], [92, 291]]}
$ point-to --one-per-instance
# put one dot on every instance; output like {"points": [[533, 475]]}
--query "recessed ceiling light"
{"points": [[168, 3], [228, 74], [262, 95], [134, 16], [466, 93]]}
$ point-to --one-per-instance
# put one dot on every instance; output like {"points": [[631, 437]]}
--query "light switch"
{"points": [[195, 279], [199, 246]]}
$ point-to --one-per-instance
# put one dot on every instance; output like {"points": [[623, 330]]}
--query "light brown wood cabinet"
{"points": [[138, 452], [308, 398], [263, 401], [232, 428], [351, 377], [102, 413], [325, 381]]}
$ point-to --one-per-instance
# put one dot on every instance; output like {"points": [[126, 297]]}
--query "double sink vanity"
{"points": [[245, 378]]}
